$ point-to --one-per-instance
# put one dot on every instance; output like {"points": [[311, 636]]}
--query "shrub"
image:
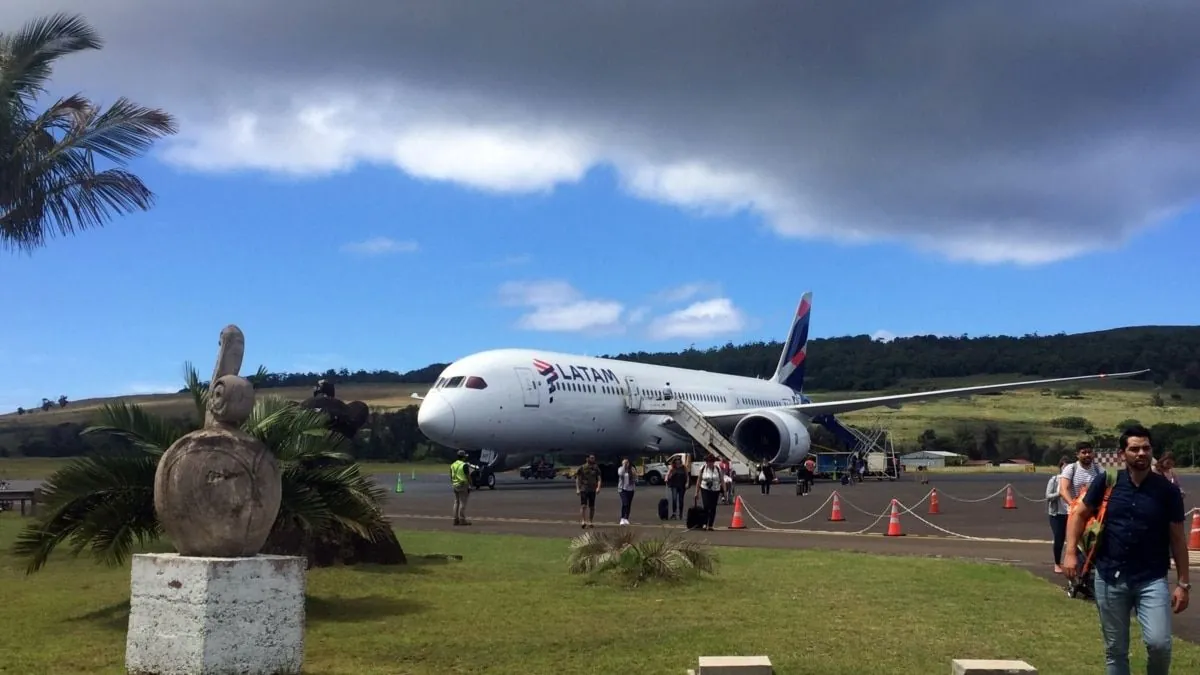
{"points": [[634, 560]]}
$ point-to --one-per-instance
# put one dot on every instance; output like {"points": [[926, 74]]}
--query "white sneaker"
{"points": [[624, 521]]}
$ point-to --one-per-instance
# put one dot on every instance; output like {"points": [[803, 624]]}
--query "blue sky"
{"points": [[119, 309], [368, 187]]}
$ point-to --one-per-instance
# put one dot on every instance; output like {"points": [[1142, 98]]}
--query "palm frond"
{"points": [[48, 178], [103, 503], [29, 55], [199, 392], [122, 132], [296, 434], [144, 430], [339, 494]]}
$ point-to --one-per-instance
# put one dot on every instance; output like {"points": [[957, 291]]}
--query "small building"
{"points": [[931, 459]]}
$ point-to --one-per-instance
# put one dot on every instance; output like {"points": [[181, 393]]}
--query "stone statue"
{"points": [[217, 490], [344, 418]]}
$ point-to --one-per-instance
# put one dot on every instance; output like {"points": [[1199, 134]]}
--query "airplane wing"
{"points": [[848, 405]]}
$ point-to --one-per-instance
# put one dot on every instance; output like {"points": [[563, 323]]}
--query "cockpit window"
{"points": [[455, 382], [439, 383], [474, 382]]}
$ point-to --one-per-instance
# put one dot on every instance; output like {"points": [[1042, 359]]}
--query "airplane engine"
{"points": [[778, 437]]}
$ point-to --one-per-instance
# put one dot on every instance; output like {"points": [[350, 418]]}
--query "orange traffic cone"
{"points": [[1194, 539], [836, 516], [894, 521], [934, 507], [737, 523], [1009, 501]]}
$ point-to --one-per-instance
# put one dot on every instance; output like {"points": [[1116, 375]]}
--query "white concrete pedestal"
{"points": [[733, 665], [211, 616], [990, 667]]}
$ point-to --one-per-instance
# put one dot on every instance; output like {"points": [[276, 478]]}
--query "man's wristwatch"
{"points": [[1184, 585]]}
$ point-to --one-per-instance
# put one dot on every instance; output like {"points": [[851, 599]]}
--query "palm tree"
{"points": [[668, 558], [104, 503], [48, 175]]}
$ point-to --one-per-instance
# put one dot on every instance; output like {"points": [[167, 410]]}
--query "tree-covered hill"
{"points": [[859, 363]]}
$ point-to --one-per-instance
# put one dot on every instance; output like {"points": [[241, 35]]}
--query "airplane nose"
{"points": [[435, 418]]}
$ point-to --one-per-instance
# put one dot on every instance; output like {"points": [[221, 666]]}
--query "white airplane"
{"points": [[510, 404]]}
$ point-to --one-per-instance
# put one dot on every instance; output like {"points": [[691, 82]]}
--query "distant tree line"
{"points": [[847, 363], [860, 363], [393, 436]]}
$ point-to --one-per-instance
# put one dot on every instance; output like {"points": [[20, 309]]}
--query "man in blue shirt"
{"points": [[1143, 530]]}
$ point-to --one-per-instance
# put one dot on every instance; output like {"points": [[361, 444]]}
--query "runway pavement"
{"points": [[972, 524]]}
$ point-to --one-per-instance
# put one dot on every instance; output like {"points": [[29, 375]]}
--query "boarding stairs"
{"points": [[692, 421], [875, 439]]}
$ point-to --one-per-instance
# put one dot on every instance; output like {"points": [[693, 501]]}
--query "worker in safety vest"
{"points": [[462, 487]]}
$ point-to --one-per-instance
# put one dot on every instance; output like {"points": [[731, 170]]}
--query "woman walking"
{"points": [[1058, 511], [677, 485], [1166, 467], [626, 481], [709, 486], [766, 476]]}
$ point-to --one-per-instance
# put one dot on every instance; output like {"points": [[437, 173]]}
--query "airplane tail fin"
{"points": [[790, 370]]}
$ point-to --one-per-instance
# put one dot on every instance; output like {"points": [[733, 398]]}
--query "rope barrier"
{"points": [[940, 528], [818, 510], [997, 493], [759, 517]]}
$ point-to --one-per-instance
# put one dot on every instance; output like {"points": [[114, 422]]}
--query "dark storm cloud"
{"points": [[1035, 126]]}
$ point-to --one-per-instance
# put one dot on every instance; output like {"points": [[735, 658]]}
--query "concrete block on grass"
{"points": [[210, 616], [990, 667], [735, 665]]}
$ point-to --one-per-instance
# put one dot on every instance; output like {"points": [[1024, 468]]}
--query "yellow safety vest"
{"points": [[458, 473]]}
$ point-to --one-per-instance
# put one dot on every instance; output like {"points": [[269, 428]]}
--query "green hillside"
{"points": [[1015, 424]]}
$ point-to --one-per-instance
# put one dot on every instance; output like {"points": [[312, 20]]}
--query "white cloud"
{"points": [[324, 138], [556, 305], [992, 162], [687, 291], [380, 246], [706, 318], [637, 315]]}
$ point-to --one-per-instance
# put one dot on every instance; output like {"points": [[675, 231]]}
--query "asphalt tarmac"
{"points": [[972, 522]]}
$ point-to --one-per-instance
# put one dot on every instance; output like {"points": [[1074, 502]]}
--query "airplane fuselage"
{"points": [[519, 402], [510, 404]]}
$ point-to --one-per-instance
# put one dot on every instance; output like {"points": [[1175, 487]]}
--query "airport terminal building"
{"points": [[931, 459]]}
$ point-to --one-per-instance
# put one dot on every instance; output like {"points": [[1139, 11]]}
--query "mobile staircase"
{"points": [[876, 440], [692, 421]]}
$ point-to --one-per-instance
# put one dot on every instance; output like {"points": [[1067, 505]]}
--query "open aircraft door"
{"points": [[529, 389], [635, 395]]}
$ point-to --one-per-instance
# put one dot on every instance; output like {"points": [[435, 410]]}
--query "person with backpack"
{"points": [[1057, 509], [677, 485], [1137, 531], [710, 484], [1075, 479]]}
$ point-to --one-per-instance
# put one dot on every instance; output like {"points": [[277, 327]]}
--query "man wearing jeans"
{"points": [[1143, 530]]}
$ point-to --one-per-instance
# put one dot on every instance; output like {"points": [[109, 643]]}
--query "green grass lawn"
{"points": [[39, 468], [509, 607]]}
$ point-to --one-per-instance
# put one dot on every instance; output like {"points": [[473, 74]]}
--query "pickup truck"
{"points": [[655, 473]]}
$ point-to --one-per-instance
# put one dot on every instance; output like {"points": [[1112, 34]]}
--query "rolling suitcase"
{"points": [[696, 518]]}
